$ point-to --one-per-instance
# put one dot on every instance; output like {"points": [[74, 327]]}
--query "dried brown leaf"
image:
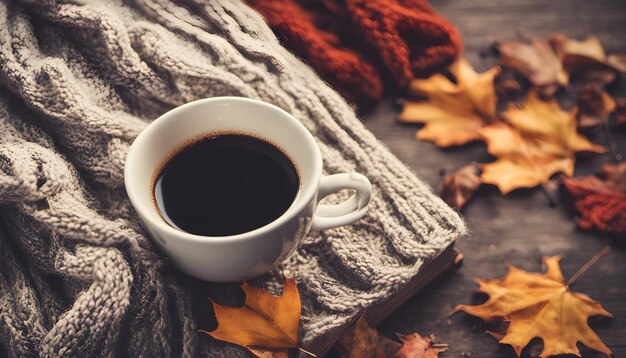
{"points": [[596, 78], [459, 187], [576, 55], [593, 108], [560, 60], [534, 59], [617, 61], [363, 341], [510, 87], [580, 58], [416, 346], [620, 112]]}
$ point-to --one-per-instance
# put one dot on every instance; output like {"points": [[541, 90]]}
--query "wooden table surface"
{"points": [[520, 228]]}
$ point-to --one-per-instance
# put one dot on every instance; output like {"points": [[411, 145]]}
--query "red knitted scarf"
{"points": [[352, 44]]}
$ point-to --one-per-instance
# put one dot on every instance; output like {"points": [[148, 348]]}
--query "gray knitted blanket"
{"points": [[78, 81]]}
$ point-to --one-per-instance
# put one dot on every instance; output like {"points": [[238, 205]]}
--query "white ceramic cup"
{"points": [[246, 255]]}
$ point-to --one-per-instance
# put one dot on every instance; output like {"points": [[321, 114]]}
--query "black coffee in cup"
{"points": [[224, 185]]}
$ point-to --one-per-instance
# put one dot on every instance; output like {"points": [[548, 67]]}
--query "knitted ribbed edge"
{"points": [[79, 82]]}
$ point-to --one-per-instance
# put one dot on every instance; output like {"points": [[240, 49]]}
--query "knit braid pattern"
{"points": [[78, 276], [388, 41]]}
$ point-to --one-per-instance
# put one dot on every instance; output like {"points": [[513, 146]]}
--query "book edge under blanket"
{"points": [[376, 314]]}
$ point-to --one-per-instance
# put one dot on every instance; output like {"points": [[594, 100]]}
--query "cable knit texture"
{"points": [[78, 81], [346, 40]]}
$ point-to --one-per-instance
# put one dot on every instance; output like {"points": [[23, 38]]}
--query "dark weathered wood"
{"points": [[520, 228]]}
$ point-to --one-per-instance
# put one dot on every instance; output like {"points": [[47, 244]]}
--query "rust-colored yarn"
{"points": [[352, 76], [408, 35], [342, 39], [598, 210]]}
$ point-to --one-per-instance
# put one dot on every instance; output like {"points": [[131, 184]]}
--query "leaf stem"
{"points": [[306, 352], [551, 201], [589, 263], [615, 153]]}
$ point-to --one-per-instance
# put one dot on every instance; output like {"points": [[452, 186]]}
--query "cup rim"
{"points": [[152, 218]]}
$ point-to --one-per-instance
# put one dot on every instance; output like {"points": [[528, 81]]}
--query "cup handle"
{"points": [[347, 212]]}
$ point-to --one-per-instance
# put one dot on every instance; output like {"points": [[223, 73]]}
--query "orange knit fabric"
{"points": [[598, 210], [346, 41], [345, 70]]}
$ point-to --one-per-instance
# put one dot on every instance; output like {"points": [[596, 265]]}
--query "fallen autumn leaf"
{"points": [[534, 59], [619, 120], [593, 108], [416, 346], [459, 187], [579, 58], [264, 321], [540, 305], [556, 61], [364, 341], [453, 114], [536, 141], [579, 55]]}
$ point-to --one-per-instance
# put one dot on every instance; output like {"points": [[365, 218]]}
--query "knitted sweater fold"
{"points": [[78, 276]]}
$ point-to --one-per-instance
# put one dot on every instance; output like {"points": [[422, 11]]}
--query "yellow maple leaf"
{"points": [[263, 321], [536, 141], [540, 305], [453, 114]]}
